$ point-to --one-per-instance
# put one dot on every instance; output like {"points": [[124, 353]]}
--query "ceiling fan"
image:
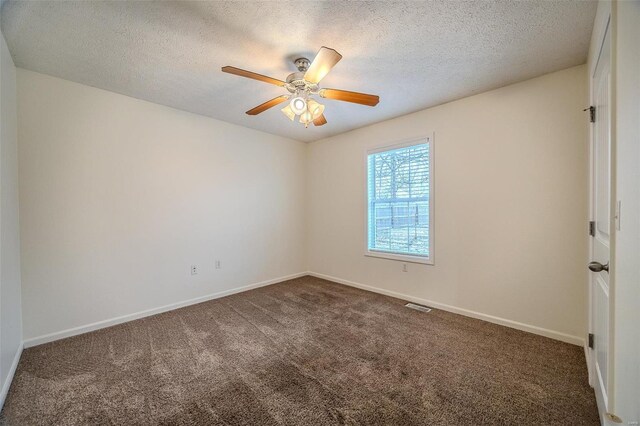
{"points": [[303, 85]]}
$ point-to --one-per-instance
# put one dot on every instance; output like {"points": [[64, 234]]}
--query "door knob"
{"points": [[598, 267]]}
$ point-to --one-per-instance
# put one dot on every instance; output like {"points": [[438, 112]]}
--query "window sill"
{"points": [[399, 257]]}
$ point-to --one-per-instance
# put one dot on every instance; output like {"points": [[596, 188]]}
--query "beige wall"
{"points": [[119, 197], [10, 305], [511, 173]]}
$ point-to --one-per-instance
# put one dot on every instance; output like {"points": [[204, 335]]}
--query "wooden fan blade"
{"points": [[355, 97], [320, 121], [253, 75], [322, 64], [265, 106]]}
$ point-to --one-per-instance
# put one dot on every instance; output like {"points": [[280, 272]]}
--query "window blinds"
{"points": [[398, 200]]}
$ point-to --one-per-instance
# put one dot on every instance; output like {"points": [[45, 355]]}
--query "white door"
{"points": [[601, 309]]}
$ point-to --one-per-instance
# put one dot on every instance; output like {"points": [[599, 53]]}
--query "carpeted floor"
{"points": [[302, 352]]}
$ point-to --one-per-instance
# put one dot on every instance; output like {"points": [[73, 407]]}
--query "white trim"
{"points": [[401, 257], [601, 21], [426, 260], [12, 371], [574, 340], [137, 315]]}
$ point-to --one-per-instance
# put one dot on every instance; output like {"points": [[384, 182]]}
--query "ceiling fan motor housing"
{"points": [[297, 83]]}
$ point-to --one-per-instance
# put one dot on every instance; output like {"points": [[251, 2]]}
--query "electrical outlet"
{"points": [[194, 269], [405, 268], [218, 264]]}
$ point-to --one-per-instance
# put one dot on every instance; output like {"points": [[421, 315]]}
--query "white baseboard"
{"points": [[12, 371], [137, 315], [575, 340]]}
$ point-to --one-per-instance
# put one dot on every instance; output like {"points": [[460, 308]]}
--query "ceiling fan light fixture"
{"points": [[289, 112], [306, 117], [298, 105], [315, 108]]}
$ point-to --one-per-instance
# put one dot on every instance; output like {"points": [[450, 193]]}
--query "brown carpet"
{"points": [[302, 352]]}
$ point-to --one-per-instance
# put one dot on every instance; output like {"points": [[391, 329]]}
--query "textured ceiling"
{"points": [[413, 54]]}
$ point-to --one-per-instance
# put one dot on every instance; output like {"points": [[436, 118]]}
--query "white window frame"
{"points": [[399, 256]]}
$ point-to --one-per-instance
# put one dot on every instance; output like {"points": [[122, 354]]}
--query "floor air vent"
{"points": [[418, 307]]}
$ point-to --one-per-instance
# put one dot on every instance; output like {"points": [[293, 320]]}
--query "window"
{"points": [[399, 205]]}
